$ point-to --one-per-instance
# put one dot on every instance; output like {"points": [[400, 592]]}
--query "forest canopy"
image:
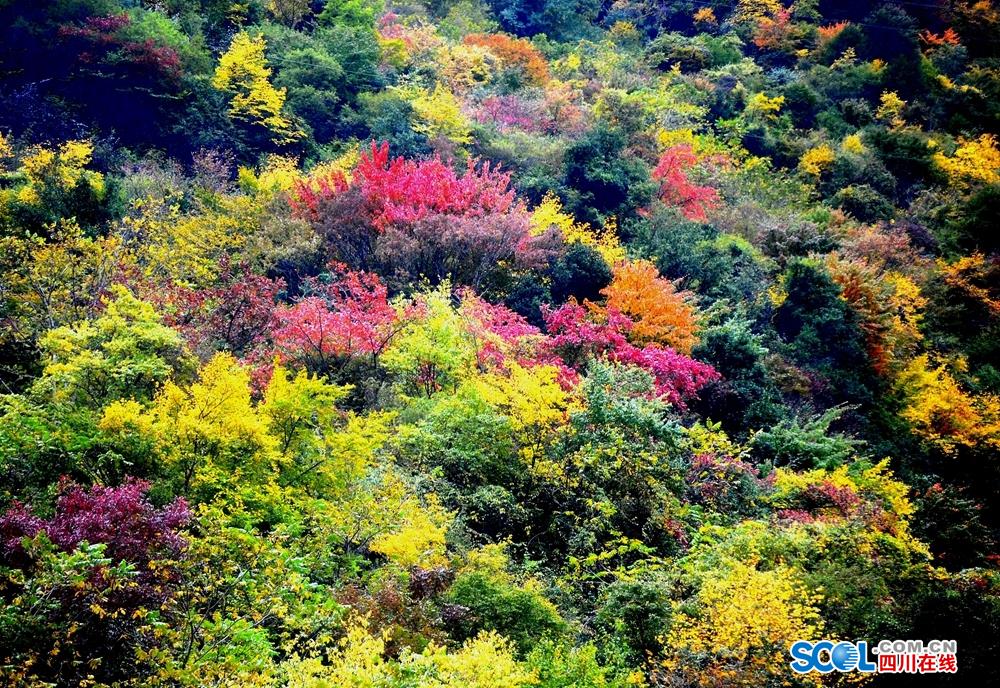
{"points": [[481, 344]]}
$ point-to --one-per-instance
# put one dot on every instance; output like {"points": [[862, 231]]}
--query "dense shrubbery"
{"points": [[474, 343]]}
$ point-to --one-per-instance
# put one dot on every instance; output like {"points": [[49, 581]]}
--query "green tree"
{"points": [[125, 353]]}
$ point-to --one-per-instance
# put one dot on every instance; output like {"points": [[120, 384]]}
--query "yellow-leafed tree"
{"points": [[974, 161], [740, 635], [243, 74], [942, 413]]}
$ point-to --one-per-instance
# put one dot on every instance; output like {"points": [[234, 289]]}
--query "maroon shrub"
{"points": [[122, 518]]}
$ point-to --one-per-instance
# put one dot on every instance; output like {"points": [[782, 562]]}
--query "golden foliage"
{"points": [[438, 114], [815, 160], [662, 315], [705, 15], [59, 168], [760, 105], [243, 74], [549, 214], [974, 161], [891, 108], [975, 277], [942, 413], [358, 661], [532, 398], [890, 305], [753, 11], [514, 52], [419, 535], [745, 621]]}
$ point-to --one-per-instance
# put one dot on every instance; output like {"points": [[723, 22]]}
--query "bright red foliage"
{"points": [[400, 190], [489, 323], [348, 318], [574, 337], [676, 189], [307, 195], [678, 378], [403, 191], [409, 219], [933, 40]]}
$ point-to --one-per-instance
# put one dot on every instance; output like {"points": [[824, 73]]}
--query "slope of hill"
{"points": [[476, 343]]}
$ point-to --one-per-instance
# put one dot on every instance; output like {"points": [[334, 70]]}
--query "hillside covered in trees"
{"points": [[496, 343]]}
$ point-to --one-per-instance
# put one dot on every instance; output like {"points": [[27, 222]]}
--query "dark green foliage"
{"points": [[891, 35], [636, 615], [492, 603], [745, 398], [716, 266], [324, 73], [867, 171], [863, 203], [966, 609], [558, 19], [675, 49], [129, 73], [821, 333], [802, 104], [581, 274], [526, 297], [977, 228], [387, 117], [806, 444], [904, 153], [603, 182], [952, 525], [471, 446]]}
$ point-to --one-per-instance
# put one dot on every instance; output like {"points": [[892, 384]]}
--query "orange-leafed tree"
{"points": [[662, 314], [890, 306], [514, 52]]}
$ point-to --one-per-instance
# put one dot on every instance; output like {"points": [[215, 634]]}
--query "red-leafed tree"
{"points": [[308, 194], [577, 335], [103, 43], [95, 575], [345, 319], [499, 332], [122, 518], [397, 190], [775, 33], [400, 190], [407, 219], [237, 315], [677, 189]]}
